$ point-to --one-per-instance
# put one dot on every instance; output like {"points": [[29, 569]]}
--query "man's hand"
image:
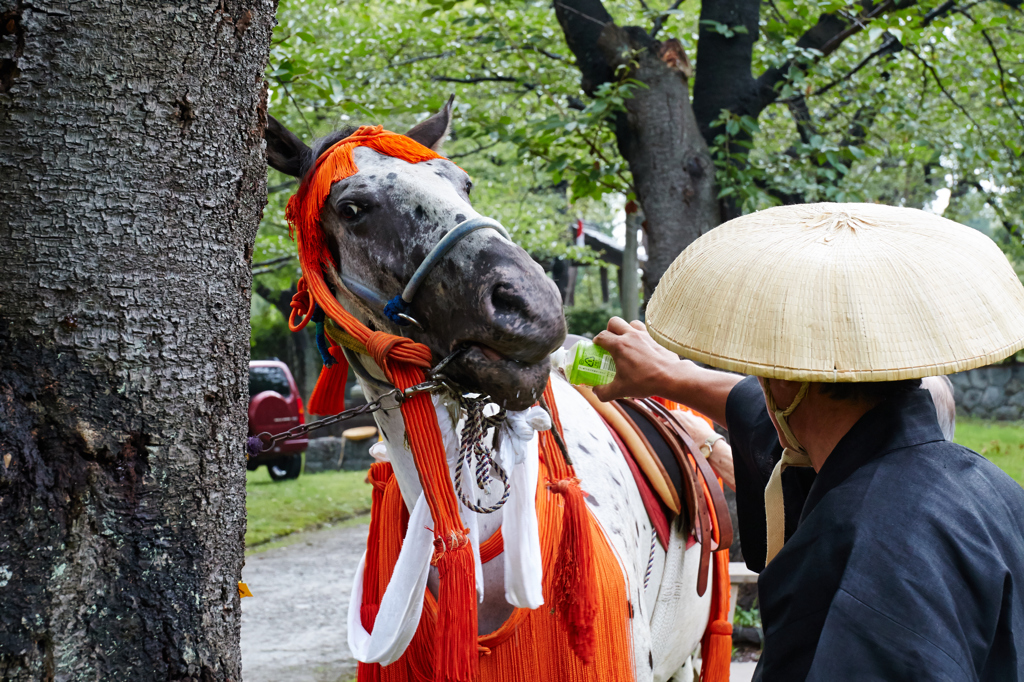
{"points": [[642, 367]]}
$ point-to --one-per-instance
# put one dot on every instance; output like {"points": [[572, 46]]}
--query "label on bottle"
{"points": [[592, 365]]}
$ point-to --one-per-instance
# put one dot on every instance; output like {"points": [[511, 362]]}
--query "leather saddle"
{"points": [[701, 501]]}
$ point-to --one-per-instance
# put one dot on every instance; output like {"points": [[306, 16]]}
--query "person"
{"points": [[885, 551]]}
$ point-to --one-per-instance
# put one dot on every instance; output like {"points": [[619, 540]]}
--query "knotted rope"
{"points": [[474, 430]]}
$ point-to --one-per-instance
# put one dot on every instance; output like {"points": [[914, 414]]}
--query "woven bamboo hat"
{"points": [[840, 292]]}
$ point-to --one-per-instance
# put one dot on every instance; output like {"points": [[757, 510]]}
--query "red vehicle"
{"points": [[275, 406]]}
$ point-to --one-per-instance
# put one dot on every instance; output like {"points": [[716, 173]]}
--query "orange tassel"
{"points": [[716, 645], [329, 393], [456, 657], [716, 653], [576, 590]]}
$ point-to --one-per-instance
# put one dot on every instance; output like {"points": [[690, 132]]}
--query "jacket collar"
{"points": [[902, 421]]}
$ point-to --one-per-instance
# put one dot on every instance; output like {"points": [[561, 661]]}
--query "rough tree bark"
{"points": [[131, 137], [658, 135]]}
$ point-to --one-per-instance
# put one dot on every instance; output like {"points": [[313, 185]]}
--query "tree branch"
{"points": [[546, 53], [663, 17], [1002, 73], [484, 79], [938, 12], [942, 88], [272, 261], [825, 36], [582, 22], [890, 45]]}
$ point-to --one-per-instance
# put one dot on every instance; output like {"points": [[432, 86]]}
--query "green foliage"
{"points": [[589, 320], [275, 509], [899, 111], [1001, 442], [748, 618]]}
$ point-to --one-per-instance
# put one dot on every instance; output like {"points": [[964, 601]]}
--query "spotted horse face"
{"points": [[484, 306]]}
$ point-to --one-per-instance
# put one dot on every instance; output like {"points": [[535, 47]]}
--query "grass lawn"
{"points": [[311, 500], [1001, 442]]}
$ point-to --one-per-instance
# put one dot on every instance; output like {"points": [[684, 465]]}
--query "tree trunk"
{"points": [[133, 182], [658, 135], [629, 289]]}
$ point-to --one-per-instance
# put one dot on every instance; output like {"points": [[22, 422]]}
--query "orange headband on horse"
{"points": [[304, 208]]}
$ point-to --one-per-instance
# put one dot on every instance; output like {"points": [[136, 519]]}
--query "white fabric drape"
{"points": [[402, 603]]}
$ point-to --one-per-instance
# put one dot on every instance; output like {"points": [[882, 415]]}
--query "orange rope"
{"points": [[716, 645], [530, 645], [402, 361]]}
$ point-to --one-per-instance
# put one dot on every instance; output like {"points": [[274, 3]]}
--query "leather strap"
{"points": [[702, 515], [645, 459], [664, 458], [725, 529]]}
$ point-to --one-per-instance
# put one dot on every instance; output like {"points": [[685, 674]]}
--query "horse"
{"points": [[490, 312]]}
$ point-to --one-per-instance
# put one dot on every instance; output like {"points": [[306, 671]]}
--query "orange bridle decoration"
{"points": [[403, 362]]}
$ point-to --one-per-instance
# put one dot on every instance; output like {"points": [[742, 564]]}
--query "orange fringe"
{"points": [[576, 590], [531, 646]]}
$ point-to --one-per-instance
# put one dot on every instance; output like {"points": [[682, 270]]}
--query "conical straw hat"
{"points": [[840, 292]]}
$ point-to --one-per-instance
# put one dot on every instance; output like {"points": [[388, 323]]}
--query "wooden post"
{"points": [[629, 291]]}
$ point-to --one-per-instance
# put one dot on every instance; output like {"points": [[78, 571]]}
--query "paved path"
{"points": [[293, 628]]}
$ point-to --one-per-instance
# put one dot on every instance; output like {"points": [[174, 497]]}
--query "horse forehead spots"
{"points": [[432, 192]]}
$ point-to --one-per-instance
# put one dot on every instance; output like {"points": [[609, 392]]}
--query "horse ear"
{"points": [[285, 151], [432, 132]]}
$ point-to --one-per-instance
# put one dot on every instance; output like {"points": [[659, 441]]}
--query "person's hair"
{"points": [[941, 389], [873, 391]]}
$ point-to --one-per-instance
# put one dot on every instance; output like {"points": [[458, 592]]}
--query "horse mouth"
{"points": [[513, 384]]}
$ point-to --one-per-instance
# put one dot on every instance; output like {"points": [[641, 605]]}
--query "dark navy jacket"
{"points": [[905, 563]]}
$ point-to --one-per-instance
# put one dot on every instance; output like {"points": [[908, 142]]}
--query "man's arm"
{"points": [[643, 368]]}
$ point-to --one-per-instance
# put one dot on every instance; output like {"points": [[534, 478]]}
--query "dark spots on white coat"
{"points": [[392, 176], [459, 218], [420, 213]]}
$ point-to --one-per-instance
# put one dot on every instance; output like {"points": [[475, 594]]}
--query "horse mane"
{"points": [[322, 144]]}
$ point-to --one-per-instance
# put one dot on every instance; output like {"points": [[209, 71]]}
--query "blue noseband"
{"points": [[398, 308]]}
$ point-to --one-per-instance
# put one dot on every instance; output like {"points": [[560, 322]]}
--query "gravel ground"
{"points": [[293, 628]]}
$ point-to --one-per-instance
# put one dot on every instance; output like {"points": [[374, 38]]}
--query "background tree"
{"points": [[131, 155], [699, 111]]}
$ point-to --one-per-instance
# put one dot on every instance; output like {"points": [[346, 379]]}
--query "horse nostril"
{"points": [[506, 300]]}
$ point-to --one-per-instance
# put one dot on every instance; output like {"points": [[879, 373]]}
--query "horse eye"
{"points": [[469, 187], [350, 211]]}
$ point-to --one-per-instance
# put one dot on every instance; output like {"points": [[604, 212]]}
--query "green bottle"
{"points": [[585, 363]]}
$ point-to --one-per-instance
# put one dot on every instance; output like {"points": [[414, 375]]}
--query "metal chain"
{"points": [[472, 445], [268, 440]]}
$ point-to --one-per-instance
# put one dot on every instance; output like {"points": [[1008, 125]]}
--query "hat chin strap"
{"points": [[793, 456]]}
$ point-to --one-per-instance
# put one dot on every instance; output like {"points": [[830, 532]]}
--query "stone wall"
{"points": [[994, 392]]}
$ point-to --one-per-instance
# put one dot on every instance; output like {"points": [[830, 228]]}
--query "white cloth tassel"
{"points": [[519, 453], [402, 604]]}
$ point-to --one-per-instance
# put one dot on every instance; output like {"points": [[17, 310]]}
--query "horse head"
{"points": [[485, 305]]}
